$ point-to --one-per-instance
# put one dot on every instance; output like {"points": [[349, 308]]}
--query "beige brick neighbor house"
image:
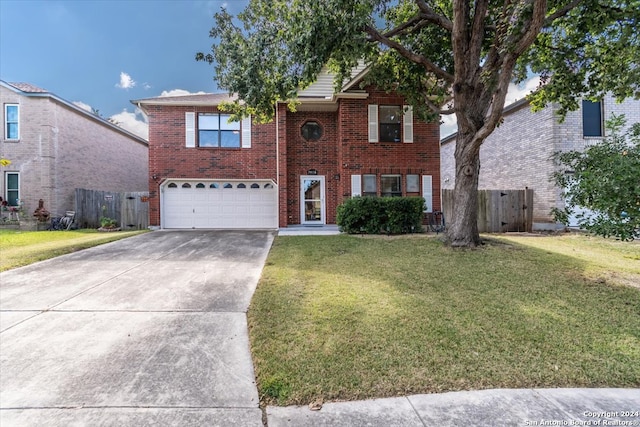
{"points": [[55, 147], [519, 153]]}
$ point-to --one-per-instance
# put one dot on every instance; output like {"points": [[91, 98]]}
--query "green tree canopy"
{"points": [[446, 57]]}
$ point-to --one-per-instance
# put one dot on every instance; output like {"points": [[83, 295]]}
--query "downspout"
{"points": [[278, 162], [277, 147]]}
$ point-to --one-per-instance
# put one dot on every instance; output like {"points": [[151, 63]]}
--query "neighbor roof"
{"points": [[28, 87], [32, 91]]}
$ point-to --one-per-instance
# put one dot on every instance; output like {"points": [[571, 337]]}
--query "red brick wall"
{"points": [[320, 155], [169, 158], [358, 156], [342, 151]]}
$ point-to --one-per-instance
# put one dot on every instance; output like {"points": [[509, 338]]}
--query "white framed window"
{"points": [[12, 122], [390, 185], [369, 185], [214, 130], [413, 183], [390, 123], [12, 188]]}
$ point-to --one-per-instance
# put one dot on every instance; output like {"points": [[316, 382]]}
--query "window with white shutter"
{"points": [[373, 123], [427, 192], [190, 127], [407, 134], [356, 186], [246, 132]]}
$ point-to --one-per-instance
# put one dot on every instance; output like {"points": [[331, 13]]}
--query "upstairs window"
{"points": [[215, 130], [390, 123], [11, 122], [592, 118]]}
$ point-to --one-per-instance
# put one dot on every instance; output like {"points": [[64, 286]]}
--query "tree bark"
{"points": [[462, 228]]}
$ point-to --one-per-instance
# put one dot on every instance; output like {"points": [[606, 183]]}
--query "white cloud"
{"points": [[179, 92], [126, 82], [133, 122], [515, 93], [84, 106], [448, 126]]}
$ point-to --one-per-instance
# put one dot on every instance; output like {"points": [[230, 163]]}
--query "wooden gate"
{"points": [[499, 211], [130, 210]]}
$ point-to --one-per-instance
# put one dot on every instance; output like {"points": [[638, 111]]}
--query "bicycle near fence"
{"points": [[436, 221]]}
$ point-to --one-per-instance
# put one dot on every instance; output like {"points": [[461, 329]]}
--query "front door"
{"points": [[312, 209]]}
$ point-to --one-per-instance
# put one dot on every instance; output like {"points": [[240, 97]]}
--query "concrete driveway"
{"points": [[149, 330]]}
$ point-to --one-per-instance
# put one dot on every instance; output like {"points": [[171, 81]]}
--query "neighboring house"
{"points": [[208, 173], [55, 147], [519, 153]]}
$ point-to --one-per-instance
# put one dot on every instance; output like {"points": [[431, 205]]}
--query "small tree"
{"points": [[605, 180]]}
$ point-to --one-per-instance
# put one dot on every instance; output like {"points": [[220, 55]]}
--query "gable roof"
{"points": [[29, 90], [323, 87], [318, 95], [192, 99]]}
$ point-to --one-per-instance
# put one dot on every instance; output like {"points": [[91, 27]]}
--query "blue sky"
{"points": [[105, 53], [102, 54]]}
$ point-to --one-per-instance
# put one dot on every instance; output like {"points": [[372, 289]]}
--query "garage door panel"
{"points": [[205, 204]]}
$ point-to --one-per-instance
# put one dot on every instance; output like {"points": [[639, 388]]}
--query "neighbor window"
{"points": [[215, 130], [591, 118], [390, 185], [369, 187], [390, 123], [12, 189], [11, 122]]}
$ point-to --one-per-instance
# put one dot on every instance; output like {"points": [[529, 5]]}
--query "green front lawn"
{"points": [[18, 248], [347, 317]]}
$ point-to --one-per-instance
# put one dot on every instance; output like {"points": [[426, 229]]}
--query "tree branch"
{"points": [[430, 15], [414, 23], [437, 108], [561, 12], [460, 39], [534, 27], [477, 31], [406, 53]]}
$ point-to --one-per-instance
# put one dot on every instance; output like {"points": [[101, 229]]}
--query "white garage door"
{"points": [[219, 204]]}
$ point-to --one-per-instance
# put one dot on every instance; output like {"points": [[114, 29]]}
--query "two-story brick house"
{"points": [[205, 172], [55, 147], [519, 153]]}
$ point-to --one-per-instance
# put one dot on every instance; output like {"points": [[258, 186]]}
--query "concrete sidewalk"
{"points": [[487, 408]]}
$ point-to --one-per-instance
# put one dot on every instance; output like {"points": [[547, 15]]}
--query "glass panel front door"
{"points": [[312, 198]]}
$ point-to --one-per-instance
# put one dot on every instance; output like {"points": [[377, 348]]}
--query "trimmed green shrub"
{"points": [[374, 215]]}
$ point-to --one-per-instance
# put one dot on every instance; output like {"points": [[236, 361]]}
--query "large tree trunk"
{"points": [[462, 226]]}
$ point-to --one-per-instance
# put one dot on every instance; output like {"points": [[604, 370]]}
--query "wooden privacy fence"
{"points": [[130, 210], [499, 211]]}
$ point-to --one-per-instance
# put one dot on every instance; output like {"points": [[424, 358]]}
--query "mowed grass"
{"points": [[19, 248], [349, 318]]}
